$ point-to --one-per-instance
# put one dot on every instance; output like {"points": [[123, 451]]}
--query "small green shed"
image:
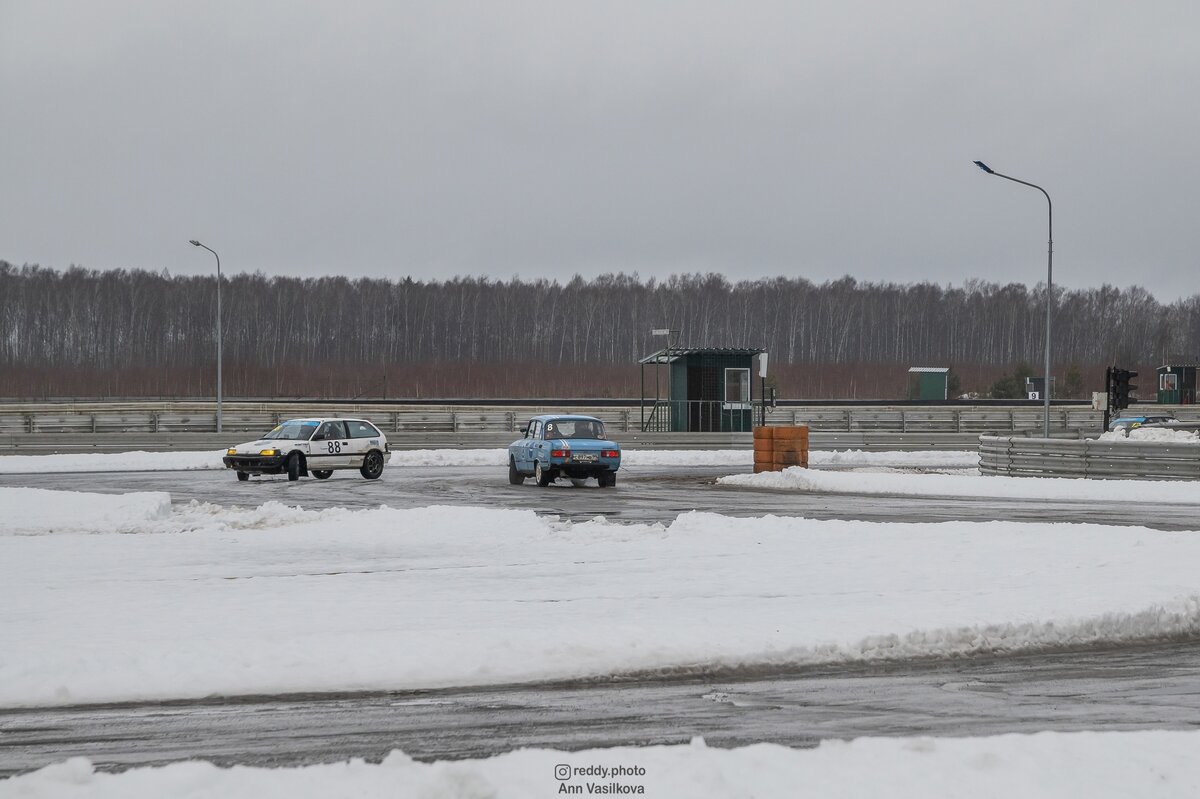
{"points": [[1177, 384], [928, 382], [706, 390]]}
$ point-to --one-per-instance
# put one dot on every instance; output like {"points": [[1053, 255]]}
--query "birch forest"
{"points": [[83, 333]]}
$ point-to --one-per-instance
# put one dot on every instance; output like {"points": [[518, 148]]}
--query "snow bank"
{"points": [[1099, 765], [424, 458], [32, 511], [111, 462], [276, 599], [1152, 434], [894, 459], [699, 457], [796, 478]]}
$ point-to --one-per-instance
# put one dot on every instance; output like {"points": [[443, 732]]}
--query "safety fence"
{"points": [[254, 417], [1019, 456]]}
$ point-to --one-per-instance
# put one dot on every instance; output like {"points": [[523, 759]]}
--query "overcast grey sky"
{"points": [[430, 139]]}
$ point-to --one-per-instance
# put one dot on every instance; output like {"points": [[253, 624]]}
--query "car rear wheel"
{"points": [[515, 478], [322, 474], [372, 465], [243, 476], [542, 476], [293, 467], [607, 480]]}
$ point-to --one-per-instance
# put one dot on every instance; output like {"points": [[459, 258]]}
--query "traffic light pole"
{"points": [[1118, 390], [1108, 397]]}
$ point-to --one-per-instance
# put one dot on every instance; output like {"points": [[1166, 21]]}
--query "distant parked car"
{"points": [[575, 447], [1127, 423], [299, 447]]}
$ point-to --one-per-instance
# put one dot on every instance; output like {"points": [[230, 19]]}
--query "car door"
{"points": [[532, 433], [363, 438], [330, 446]]}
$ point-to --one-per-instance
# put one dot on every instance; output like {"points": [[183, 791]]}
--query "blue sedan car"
{"points": [[564, 446]]}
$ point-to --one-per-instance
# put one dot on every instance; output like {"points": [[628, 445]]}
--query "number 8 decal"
{"points": [[335, 446]]}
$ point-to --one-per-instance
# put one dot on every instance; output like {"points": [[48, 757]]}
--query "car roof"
{"points": [[320, 419], [543, 417]]}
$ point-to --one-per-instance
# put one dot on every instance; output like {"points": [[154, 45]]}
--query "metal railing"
{"points": [[152, 416], [1019, 456], [699, 416]]}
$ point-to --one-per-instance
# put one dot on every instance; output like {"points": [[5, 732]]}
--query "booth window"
{"points": [[1168, 381], [737, 385]]}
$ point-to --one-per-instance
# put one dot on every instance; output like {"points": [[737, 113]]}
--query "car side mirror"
{"points": [[525, 430]]}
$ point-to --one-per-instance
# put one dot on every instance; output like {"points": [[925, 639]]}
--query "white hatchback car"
{"points": [[299, 447]]}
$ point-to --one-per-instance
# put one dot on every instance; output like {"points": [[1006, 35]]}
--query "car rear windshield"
{"points": [[292, 431], [574, 428]]}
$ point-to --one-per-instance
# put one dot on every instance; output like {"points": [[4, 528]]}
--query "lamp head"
{"points": [[195, 243], [985, 167]]}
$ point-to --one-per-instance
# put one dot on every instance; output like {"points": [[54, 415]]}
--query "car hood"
{"points": [[255, 446]]}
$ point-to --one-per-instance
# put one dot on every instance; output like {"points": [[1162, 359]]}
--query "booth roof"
{"points": [[670, 354]]}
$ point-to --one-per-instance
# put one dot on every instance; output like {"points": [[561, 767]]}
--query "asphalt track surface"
{"points": [[1140, 687], [1127, 689], [642, 494]]}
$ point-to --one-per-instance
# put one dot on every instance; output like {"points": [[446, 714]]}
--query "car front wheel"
{"points": [[293, 467], [372, 465], [542, 476], [243, 476]]}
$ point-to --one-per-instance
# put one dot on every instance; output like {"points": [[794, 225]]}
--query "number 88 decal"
{"points": [[335, 447]]}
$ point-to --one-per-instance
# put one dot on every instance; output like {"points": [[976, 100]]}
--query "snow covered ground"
{"points": [[125, 597], [966, 485], [118, 598], [1111, 765]]}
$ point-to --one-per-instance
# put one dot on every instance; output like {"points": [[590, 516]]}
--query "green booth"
{"points": [[704, 390]]}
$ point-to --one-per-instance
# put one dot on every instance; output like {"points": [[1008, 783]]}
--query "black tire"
{"points": [[515, 478], [243, 476], [294, 467], [607, 480], [372, 465], [543, 476], [322, 474]]}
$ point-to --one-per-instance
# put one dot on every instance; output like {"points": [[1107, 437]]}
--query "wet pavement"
{"points": [[1136, 688], [654, 494]]}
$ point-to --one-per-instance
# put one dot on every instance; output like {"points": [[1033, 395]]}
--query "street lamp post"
{"points": [[195, 243], [1049, 282]]}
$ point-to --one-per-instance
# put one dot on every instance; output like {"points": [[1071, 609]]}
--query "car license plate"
{"points": [[585, 457]]}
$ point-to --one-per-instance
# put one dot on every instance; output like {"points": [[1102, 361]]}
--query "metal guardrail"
{"points": [[1019, 456], [256, 417]]}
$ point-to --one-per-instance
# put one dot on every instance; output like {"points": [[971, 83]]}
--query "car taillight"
{"points": [[611, 453], [558, 453]]}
